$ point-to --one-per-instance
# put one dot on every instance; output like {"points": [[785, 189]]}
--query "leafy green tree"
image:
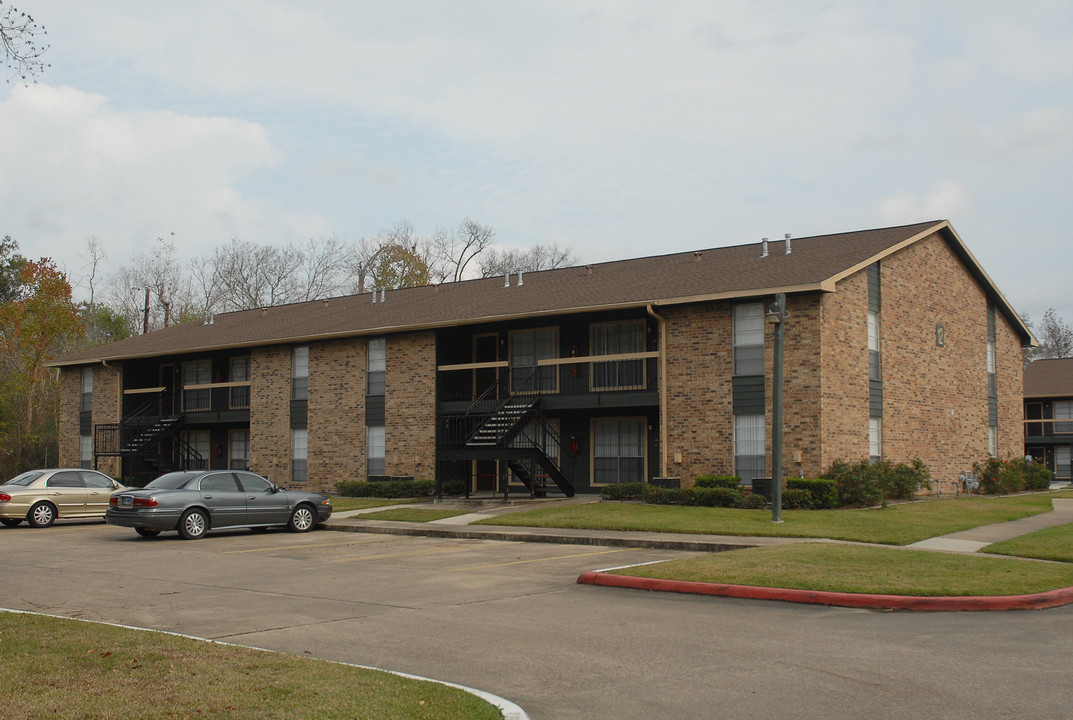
{"points": [[39, 322], [398, 266]]}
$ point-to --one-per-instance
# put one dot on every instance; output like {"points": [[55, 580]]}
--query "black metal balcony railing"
{"points": [[1039, 427], [566, 376], [216, 397]]}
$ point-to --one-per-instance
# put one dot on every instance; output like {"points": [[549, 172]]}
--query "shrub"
{"points": [[715, 497], [1001, 477], [754, 502], [857, 485], [386, 489], [453, 487], [732, 482], [901, 481], [796, 499], [623, 491], [824, 492]]}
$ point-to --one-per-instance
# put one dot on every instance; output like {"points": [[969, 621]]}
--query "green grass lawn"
{"points": [[343, 504], [859, 569], [894, 525], [1054, 543], [55, 668], [413, 514]]}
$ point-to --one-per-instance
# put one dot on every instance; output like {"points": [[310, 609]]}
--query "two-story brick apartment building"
{"points": [[897, 345], [1049, 415]]}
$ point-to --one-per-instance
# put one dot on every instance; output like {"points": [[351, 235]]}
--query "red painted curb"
{"points": [[1037, 601]]}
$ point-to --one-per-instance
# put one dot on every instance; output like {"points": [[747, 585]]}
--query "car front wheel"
{"points": [[193, 525], [42, 515], [303, 518], [10, 522]]}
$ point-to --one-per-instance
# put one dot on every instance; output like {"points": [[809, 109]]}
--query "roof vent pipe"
{"points": [[521, 281], [506, 279], [383, 294], [763, 248], [374, 296], [787, 236]]}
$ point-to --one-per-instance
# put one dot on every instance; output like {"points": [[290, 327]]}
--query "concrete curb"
{"points": [[1037, 601]]}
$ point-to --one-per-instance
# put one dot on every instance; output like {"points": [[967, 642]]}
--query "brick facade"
{"points": [[410, 405], [70, 407], [698, 390], [270, 419], [336, 412], [107, 402]]}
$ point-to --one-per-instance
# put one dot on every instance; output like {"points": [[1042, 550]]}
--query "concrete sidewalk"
{"points": [[966, 541]]}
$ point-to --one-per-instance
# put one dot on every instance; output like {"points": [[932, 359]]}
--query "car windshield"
{"points": [[26, 478], [171, 481]]}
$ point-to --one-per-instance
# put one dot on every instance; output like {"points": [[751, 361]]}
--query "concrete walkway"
{"points": [[966, 541]]}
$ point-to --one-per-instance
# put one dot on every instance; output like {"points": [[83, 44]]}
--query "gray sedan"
{"points": [[193, 503]]}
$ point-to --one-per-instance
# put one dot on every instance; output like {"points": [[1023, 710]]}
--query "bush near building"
{"points": [[1002, 477], [868, 483]]}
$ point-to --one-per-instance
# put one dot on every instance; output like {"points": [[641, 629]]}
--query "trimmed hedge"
{"points": [[823, 492], [797, 499], [623, 491], [386, 489], [656, 495], [733, 482]]}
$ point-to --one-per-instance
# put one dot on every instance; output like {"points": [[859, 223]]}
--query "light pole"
{"points": [[776, 314]]}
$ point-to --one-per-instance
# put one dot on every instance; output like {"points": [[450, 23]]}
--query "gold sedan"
{"points": [[41, 496]]}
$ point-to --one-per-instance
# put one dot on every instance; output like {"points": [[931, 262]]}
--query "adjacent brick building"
{"points": [[1049, 414], [897, 346]]}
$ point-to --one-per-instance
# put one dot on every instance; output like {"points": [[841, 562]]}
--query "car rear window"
{"points": [[171, 481], [26, 478]]}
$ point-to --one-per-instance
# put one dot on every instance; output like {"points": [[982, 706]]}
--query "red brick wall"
{"points": [[336, 412], [410, 405], [698, 390], [70, 406], [270, 419]]}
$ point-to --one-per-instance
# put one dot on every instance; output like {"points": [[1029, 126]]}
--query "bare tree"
{"points": [[451, 251], [322, 270], [159, 272], [22, 39], [1055, 337], [538, 257]]}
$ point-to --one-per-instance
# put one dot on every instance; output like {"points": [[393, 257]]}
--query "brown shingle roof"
{"points": [[1049, 378], [814, 264]]}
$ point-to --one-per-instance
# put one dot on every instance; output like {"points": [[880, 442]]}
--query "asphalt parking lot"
{"points": [[509, 618]]}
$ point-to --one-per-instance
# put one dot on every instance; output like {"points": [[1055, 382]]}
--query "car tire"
{"points": [[147, 532], [193, 525], [41, 515], [303, 519]]}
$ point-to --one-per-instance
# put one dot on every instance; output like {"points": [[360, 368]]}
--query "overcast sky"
{"points": [[612, 127]]}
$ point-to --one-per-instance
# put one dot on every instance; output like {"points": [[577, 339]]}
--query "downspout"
{"points": [[662, 380]]}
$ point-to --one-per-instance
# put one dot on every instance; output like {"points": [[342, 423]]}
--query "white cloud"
{"points": [[945, 199], [74, 166]]}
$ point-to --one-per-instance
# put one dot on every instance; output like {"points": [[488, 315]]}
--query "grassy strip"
{"points": [[893, 525], [1054, 543], [856, 569], [65, 668], [413, 514], [343, 504]]}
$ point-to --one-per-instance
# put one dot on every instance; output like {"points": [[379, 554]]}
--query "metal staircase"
{"points": [[515, 431]]}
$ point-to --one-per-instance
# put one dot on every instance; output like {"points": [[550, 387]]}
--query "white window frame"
{"points": [[623, 453], [376, 367], [875, 439], [748, 339], [750, 447], [874, 357], [375, 450], [87, 390], [547, 380], [622, 337], [300, 372], [197, 372], [238, 450], [1062, 410], [299, 456]]}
